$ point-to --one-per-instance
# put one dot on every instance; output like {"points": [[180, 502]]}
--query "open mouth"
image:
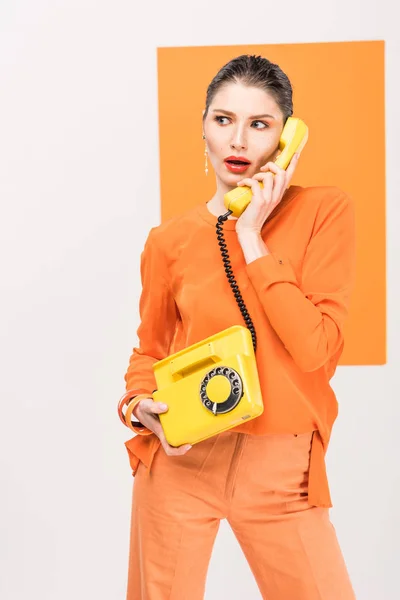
{"points": [[236, 165], [237, 162]]}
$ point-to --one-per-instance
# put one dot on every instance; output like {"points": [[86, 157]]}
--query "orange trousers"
{"points": [[259, 484]]}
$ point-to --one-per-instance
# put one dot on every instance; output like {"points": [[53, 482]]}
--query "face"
{"points": [[242, 123]]}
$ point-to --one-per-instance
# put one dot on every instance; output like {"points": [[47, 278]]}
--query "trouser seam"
{"points": [[234, 467]]}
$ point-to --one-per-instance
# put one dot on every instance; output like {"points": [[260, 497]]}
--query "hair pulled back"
{"points": [[254, 71]]}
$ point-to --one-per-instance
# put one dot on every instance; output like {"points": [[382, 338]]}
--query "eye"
{"points": [[263, 125], [218, 119]]}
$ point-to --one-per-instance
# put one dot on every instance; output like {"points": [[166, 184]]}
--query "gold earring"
{"points": [[206, 156]]}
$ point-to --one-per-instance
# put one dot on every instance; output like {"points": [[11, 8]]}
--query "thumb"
{"points": [[158, 407]]}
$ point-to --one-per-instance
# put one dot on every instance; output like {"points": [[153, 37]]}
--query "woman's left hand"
{"points": [[265, 199]]}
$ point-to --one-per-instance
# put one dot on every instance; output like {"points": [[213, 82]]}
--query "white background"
{"points": [[79, 190]]}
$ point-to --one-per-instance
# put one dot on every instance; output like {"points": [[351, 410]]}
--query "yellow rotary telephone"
{"points": [[213, 385]]}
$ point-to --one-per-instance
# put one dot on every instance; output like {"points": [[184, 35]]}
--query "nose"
{"points": [[238, 141]]}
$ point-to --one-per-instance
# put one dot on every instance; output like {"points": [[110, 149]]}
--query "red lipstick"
{"points": [[237, 164]]}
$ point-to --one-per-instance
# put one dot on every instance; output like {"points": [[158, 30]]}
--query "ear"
{"points": [[202, 123]]}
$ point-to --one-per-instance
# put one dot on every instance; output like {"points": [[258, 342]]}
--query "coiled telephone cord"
{"points": [[231, 277]]}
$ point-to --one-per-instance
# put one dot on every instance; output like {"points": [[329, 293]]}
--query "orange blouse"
{"points": [[297, 296]]}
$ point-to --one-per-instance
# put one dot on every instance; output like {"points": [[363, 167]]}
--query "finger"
{"points": [[286, 174], [279, 183], [156, 408], [292, 167], [268, 182], [273, 168], [264, 177], [246, 181], [180, 451], [171, 450], [157, 428], [253, 184], [149, 407]]}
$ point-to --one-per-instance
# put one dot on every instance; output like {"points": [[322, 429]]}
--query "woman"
{"points": [[293, 256]]}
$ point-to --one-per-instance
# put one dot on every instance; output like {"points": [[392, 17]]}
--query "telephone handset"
{"points": [[293, 139], [213, 385]]}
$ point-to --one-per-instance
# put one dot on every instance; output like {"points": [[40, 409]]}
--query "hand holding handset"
{"points": [[293, 139], [213, 385]]}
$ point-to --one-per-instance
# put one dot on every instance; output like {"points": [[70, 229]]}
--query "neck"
{"points": [[216, 205]]}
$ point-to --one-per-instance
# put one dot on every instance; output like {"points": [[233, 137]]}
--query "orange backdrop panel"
{"points": [[339, 92]]}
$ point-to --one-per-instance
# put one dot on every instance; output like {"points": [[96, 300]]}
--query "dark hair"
{"points": [[255, 71]]}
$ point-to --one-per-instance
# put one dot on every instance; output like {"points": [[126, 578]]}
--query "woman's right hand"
{"points": [[147, 412]]}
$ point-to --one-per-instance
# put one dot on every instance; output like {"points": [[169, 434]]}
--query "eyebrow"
{"points": [[228, 112]]}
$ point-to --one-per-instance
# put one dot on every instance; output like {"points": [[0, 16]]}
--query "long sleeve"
{"points": [[309, 315], [158, 318]]}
